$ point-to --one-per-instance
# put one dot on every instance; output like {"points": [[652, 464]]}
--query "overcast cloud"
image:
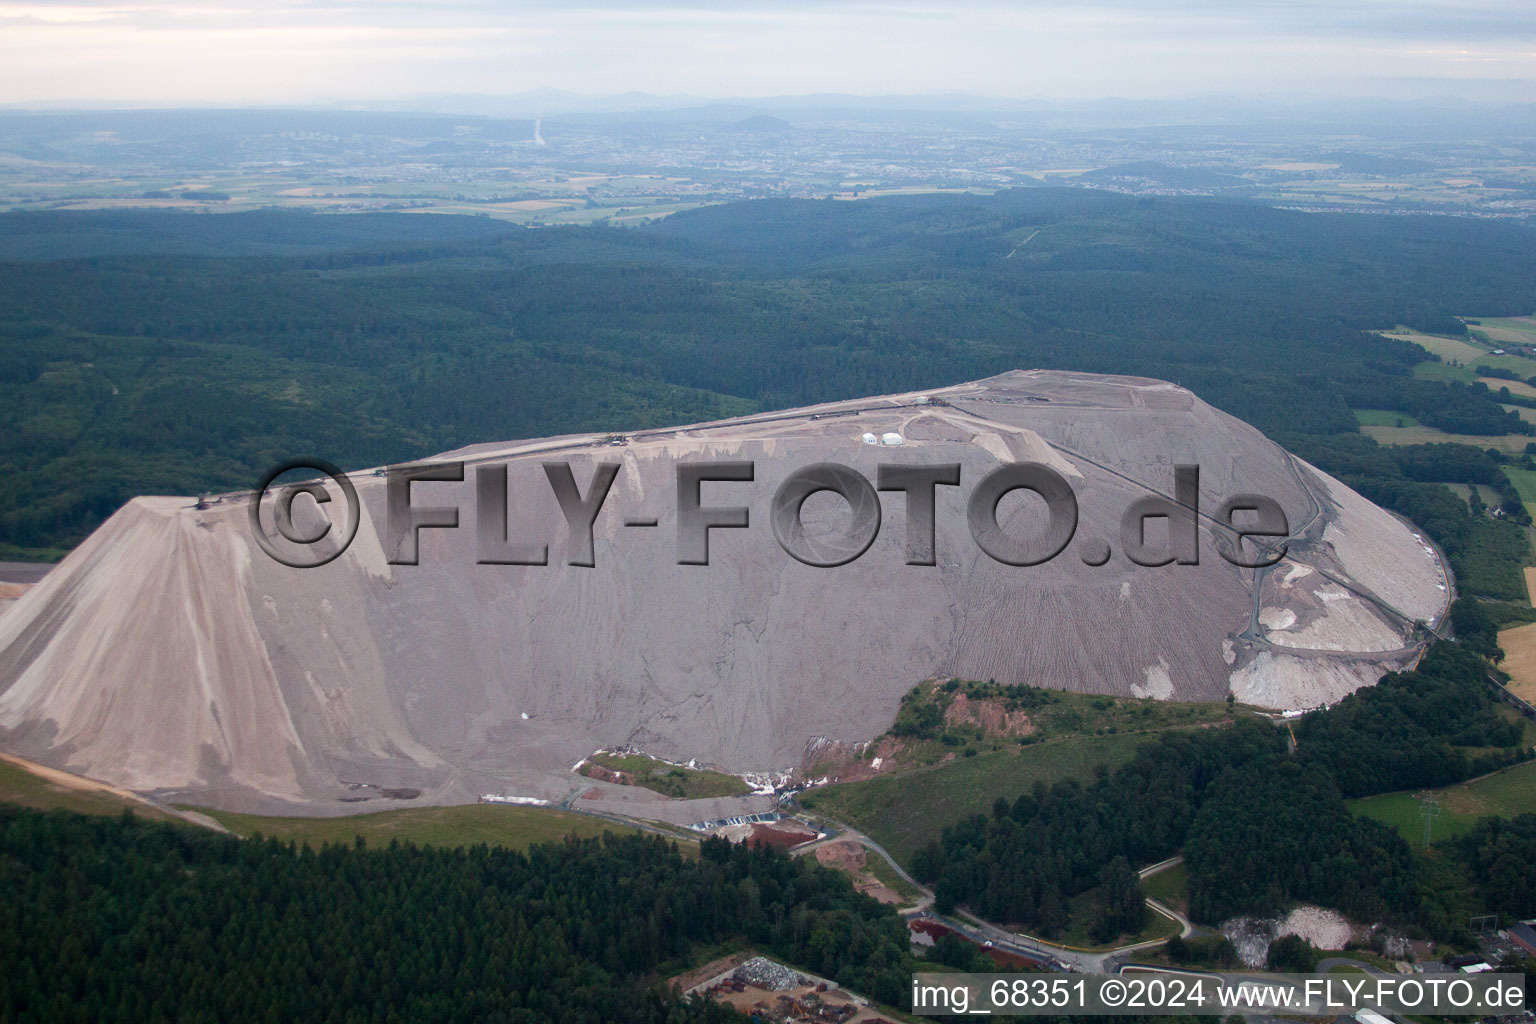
{"points": [[227, 51]]}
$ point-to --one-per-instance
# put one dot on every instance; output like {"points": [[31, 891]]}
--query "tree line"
{"points": [[117, 919], [129, 364], [1260, 827]]}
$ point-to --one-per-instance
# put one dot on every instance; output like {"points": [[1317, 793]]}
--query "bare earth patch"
{"points": [[849, 857], [713, 969], [786, 834], [68, 781], [843, 855], [989, 715], [853, 762], [10, 593], [30, 784]]}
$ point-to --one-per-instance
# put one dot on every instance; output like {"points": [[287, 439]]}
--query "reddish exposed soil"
{"points": [[602, 774], [988, 715], [853, 762], [935, 931], [1012, 961], [932, 929], [843, 855], [849, 857], [780, 835], [850, 762]]}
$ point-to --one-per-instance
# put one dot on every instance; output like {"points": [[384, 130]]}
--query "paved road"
{"points": [[1186, 927], [1327, 963], [979, 931], [837, 831], [570, 804], [1089, 961], [1160, 866]]}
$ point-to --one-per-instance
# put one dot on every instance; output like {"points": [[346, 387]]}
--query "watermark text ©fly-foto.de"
{"points": [[1253, 518]]}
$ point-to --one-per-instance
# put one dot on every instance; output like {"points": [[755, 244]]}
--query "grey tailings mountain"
{"points": [[168, 654]]}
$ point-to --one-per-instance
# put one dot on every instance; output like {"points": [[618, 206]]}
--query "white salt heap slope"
{"points": [[170, 654]]}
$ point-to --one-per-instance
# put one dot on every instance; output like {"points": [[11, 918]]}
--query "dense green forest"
{"points": [[1276, 832], [1024, 862], [1260, 827], [1499, 854], [163, 352], [114, 919], [1412, 730]]}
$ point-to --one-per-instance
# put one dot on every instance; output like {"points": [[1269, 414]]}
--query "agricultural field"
{"points": [[1518, 388], [1459, 357], [1511, 443], [1520, 365], [1344, 191], [1443, 372], [1404, 812], [1529, 415], [1450, 350], [1519, 647], [668, 779], [534, 199], [505, 825], [1462, 491], [1505, 794], [1519, 330], [1384, 418], [1524, 481]]}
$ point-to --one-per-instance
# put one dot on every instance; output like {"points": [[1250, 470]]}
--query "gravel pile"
{"points": [[764, 973]]}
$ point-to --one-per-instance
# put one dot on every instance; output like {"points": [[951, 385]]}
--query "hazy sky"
{"points": [[240, 51]]}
